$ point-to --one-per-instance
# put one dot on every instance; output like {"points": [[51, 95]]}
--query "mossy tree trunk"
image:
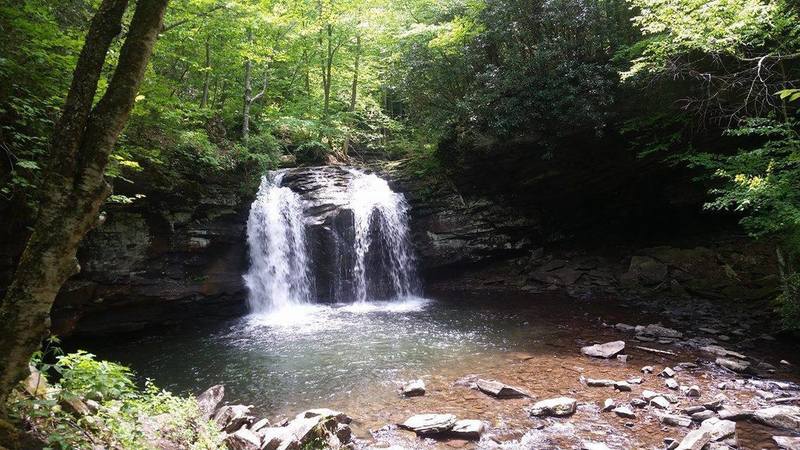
{"points": [[75, 188]]}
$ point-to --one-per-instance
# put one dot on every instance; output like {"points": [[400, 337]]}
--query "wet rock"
{"points": [[716, 403], [786, 442], [424, 424], [273, 437], [500, 390], [732, 413], [609, 404], [720, 429], [470, 429], [675, 420], [261, 424], [622, 386], [783, 416], [607, 350], [646, 270], [668, 372], [703, 415], [325, 413], [591, 445], [693, 409], [660, 402], [559, 407], [591, 382], [232, 417], [208, 401], [624, 327], [721, 351], [625, 412], [671, 383], [414, 388], [735, 365], [649, 395], [710, 430], [243, 439], [661, 332]]}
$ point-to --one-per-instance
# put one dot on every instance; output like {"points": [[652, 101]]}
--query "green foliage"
{"points": [[311, 153], [123, 417], [83, 376]]}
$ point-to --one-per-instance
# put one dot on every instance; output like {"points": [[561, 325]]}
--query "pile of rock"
{"points": [[444, 426], [243, 431]]}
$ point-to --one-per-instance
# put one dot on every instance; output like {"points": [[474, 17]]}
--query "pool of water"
{"points": [[313, 355], [354, 357]]}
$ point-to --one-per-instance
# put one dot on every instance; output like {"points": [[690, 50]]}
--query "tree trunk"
{"points": [[207, 78], [326, 73], [353, 91], [248, 90], [76, 188]]}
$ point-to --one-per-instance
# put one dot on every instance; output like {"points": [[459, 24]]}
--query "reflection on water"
{"points": [[312, 355]]}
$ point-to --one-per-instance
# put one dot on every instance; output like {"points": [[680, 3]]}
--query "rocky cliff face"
{"points": [[160, 260], [170, 259]]}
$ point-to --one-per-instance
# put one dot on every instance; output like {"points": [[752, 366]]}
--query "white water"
{"points": [[278, 277], [375, 205], [376, 248]]}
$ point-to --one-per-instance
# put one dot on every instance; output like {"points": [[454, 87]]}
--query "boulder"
{"points": [[693, 391], [703, 415], [659, 331], [469, 429], [75, 406], [671, 383], [559, 407], [660, 402], [786, 442], [622, 386], [232, 417], [675, 420], [243, 439], [414, 388], [609, 404], [591, 382], [607, 350], [735, 365], [624, 411], [710, 430], [500, 390], [782, 416], [424, 424], [208, 401], [325, 413], [263, 423], [646, 270], [668, 372]]}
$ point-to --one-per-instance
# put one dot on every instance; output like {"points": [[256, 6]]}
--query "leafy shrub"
{"points": [[312, 153], [121, 415], [86, 377]]}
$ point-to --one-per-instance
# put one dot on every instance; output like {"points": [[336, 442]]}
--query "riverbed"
{"points": [[355, 357]]}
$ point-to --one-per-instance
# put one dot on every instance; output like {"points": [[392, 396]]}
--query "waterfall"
{"points": [[379, 213], [329, 234], [278, 275]]}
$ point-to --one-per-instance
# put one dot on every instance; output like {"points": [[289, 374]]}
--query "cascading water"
{"points": [[278, 277], [379, 213], [336, 234]]}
